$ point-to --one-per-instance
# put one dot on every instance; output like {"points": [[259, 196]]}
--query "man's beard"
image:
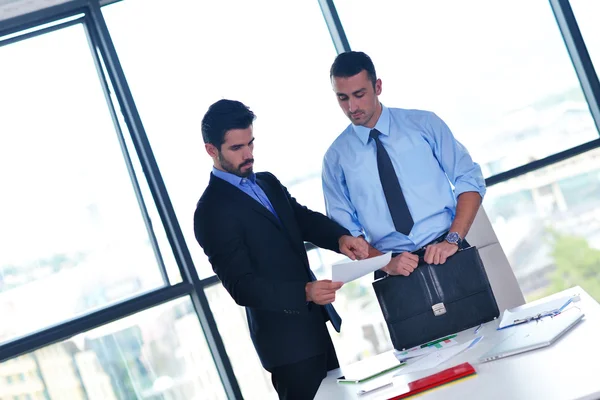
{"points": [[229, 167]]}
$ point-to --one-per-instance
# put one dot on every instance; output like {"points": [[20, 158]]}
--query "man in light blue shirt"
{"points": [[396, 176]]}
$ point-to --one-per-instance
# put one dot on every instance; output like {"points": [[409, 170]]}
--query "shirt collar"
{"points": [[382, 125], [232, 178]]}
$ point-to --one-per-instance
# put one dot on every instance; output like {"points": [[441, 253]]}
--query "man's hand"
{"points": [[403, 264], [322, 292], [438, 253], [356, 248]]}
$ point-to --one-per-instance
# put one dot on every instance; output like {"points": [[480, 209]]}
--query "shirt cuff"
{"points": [[465, 186]]}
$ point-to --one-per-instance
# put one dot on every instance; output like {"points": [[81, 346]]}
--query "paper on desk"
{"points": [[509, 316], [434, 359], [418, 351], [370, 367], [349, 271]]}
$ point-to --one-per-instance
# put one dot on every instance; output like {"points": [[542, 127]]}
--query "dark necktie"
{"points": [[403, 221]]}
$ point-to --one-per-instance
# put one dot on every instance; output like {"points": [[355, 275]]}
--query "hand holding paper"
{"points": [[321, 292], [349, 271]]}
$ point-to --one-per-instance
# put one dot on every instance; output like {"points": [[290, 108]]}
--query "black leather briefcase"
{"points": [[436, 300]]}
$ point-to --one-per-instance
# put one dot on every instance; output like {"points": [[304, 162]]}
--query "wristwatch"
{"points": [[453, 238]]}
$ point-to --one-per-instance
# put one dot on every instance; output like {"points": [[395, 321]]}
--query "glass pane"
{"points": [[205, 51], [548, 223], [498, 74], [587, 14], [11, 9], [71, 231], [364, 331], [254, 381], [158, 354]]}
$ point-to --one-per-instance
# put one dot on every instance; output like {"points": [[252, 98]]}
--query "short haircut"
{"points": [[351, 63], [223, 116]]}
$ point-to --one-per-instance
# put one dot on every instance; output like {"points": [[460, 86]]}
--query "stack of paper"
{"points": [[435, 358], [371, 367], [512, 317]]}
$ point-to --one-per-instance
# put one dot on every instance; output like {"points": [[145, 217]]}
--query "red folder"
{"points": [[441, 378]]}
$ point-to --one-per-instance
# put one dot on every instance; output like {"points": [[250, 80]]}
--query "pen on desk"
{"points": [[365, 391], [438, 341], [477, 329]]}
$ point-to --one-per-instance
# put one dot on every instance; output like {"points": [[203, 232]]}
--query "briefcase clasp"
{"points": [[438, 309]]}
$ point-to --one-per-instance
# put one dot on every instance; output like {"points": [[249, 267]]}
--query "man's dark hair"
{"points": [[351, 63], [223, 116]]}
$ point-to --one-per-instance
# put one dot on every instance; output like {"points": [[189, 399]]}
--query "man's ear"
{"points": [[211, 150], [378, 87]]}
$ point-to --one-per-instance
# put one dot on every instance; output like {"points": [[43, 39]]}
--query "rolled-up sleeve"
{"points": [[462, 171], [337, 200]]}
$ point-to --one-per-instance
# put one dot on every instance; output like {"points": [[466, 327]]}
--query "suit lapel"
{"points": [[244, 198], [284, 212], [280, 204]]}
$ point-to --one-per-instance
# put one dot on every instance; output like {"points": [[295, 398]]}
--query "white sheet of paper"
{"points": [[371, 366], [349, 271], [434, 359], [509, 316]]}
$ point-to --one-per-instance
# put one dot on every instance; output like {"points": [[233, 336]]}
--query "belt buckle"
{"points": [[438, 309]]}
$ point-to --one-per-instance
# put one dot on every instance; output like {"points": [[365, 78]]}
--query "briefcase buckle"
{"points": [[438, 309]]}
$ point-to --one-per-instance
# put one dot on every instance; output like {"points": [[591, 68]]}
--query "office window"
{"points": [[254, 381], [261, 53], [586, 13], [498, 73], [159, 353], [550, 231], [206, 51], [73, 238]]}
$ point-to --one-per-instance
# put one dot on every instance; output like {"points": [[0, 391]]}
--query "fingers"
{"points": [[361, 248], [327, 299], [404, 264], [404, 271], [412, 257], [328, 284], [409, 268], [336, 285], [438, 253], [433, 254], [428, 257], [355, 248], [324, 291], [347, 252], [408, 260]]}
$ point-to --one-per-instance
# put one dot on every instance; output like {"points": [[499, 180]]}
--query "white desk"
{"points": [[569, 369]]}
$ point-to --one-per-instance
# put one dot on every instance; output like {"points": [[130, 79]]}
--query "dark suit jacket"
{"points": [[263, 264]]}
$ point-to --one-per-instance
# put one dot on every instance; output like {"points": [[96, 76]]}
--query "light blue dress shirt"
{"points": [[247, 185], [432, 166]]}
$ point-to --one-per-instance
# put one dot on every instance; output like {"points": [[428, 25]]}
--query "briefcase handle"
{"points": [[421, 253]]}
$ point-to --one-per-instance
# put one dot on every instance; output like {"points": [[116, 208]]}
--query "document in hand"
{"points": [[348, 271]]}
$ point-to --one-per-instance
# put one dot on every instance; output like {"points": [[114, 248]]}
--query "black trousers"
{"points": [[301, 380]]}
